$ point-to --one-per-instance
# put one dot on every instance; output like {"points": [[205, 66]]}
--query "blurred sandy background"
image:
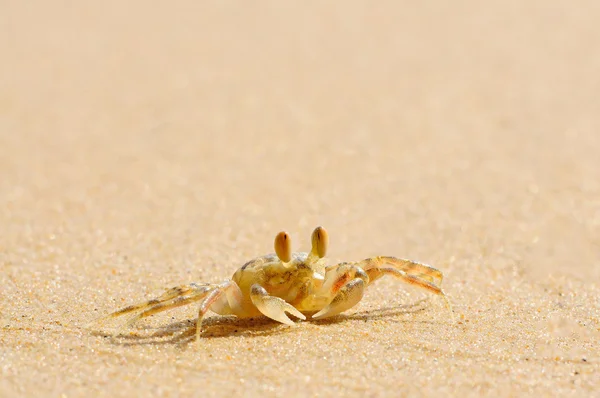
{"points": [[150, 144]]}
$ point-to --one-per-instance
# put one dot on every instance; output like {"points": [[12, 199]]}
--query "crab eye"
{"points": [[283, 246], [320, 241]]}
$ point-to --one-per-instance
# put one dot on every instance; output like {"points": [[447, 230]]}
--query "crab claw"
{"points": [[347, 297], [273, 307]]}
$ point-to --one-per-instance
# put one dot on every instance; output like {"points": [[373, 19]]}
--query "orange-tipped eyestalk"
{"points": [[320, 242], [283, 247]]}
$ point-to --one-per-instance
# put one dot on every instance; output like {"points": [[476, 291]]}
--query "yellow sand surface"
{"points": [[148, 144]]}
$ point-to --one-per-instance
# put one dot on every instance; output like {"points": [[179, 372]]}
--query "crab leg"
{"points": [[169, 295], [167, 305], [414, 273], [229, 291], [408, 267], [273, 307]]}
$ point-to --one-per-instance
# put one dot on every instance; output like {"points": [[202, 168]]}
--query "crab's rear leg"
{"points": [[166, 302], [273, 307], [172, 294], [412, 272], [167, 305]]}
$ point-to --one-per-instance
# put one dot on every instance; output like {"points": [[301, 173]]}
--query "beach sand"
{"points": [[145, 145]]}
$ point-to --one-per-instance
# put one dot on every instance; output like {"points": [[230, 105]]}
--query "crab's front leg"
{"points": [[345, 284], [225, 299], [273, 307]]}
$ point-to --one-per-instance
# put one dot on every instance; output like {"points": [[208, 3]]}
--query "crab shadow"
{"points": [[181, 333]]}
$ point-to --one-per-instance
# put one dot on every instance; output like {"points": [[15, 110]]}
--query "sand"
{"points": [[145, 145]]}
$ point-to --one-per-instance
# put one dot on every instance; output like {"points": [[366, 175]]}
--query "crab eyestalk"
{"points": [[320, 241], [283, 247]]}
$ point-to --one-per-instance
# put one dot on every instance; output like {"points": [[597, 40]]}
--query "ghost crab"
{"points": [[300, 284]]}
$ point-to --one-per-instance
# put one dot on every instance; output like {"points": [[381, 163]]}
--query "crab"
{"points": [[284, 282]]}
